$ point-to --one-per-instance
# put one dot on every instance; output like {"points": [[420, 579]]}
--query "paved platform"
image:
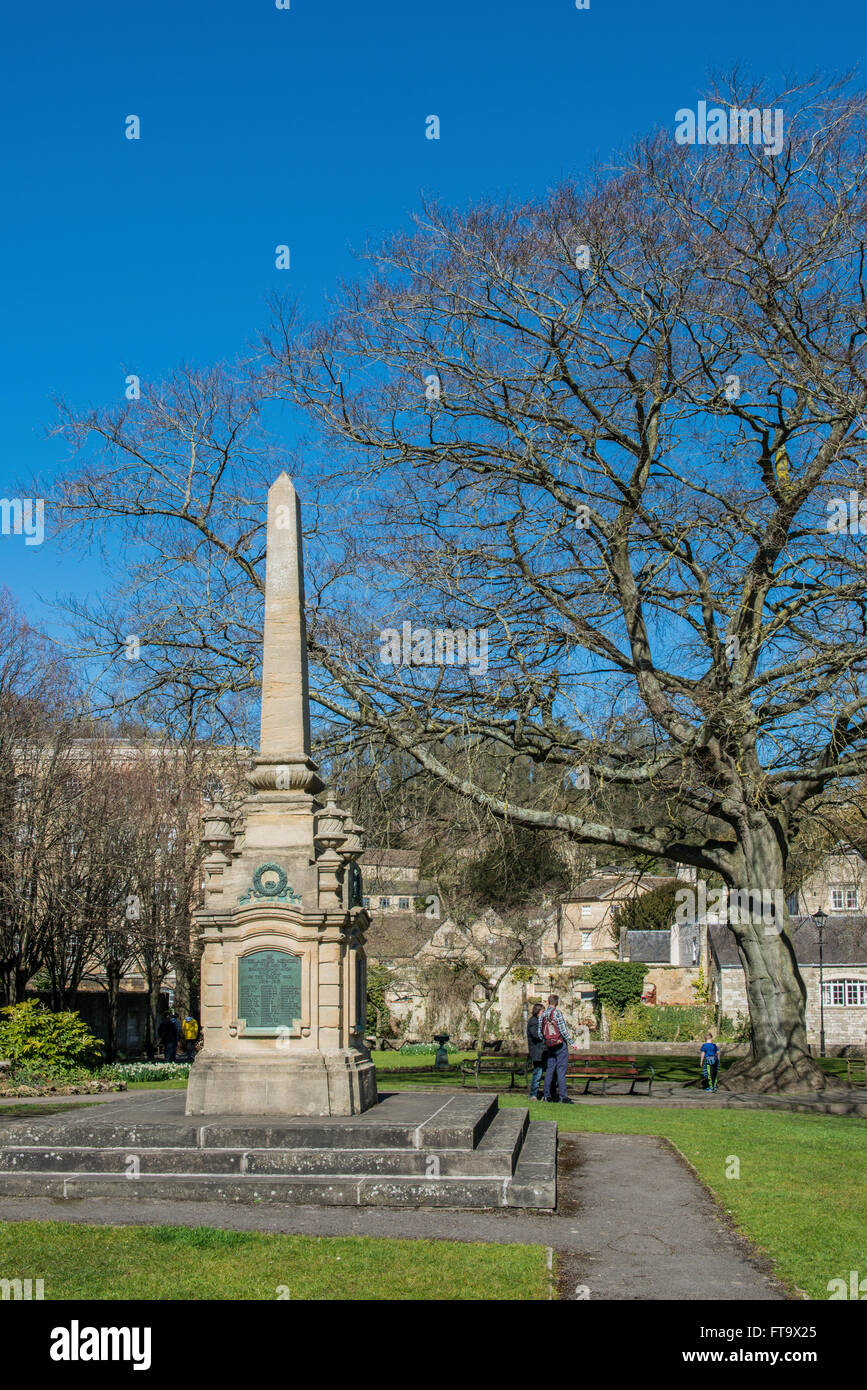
{"points": [[413, 1149], [632, 1222]]}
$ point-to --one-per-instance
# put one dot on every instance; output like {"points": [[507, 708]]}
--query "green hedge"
{"points": [[662, 1023], [618, 983]]}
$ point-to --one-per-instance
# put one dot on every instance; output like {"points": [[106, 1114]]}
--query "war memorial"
{"points": [[282, 1103]]}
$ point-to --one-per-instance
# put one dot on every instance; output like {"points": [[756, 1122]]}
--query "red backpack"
{"points": [[551, 1034]]}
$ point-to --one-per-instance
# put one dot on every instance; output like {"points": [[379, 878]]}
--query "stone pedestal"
{"points": [[342, 1082], [284, 987]]}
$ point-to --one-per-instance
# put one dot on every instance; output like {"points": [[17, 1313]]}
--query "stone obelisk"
{"points": [[284, 992]]}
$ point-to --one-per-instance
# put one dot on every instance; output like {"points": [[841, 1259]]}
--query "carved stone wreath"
{"points": [[277, 890]]}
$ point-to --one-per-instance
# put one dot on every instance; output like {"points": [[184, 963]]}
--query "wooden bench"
{"points": [[589, 1067], [515, 1063], [853, 1066]]}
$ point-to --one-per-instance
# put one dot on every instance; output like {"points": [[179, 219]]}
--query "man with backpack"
{"points": [[555, 1035]]}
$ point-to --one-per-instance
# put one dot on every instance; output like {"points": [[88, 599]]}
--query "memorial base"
{"points": [[339, 1082]]}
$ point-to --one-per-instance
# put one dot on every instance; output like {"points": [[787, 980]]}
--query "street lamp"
{"points": [[820, 918]]}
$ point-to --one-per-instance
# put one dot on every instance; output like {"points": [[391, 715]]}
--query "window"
{"points": [[586, 909], [792, 903], [587, 941], [385, 902], [844, 899], [365, 902], [403, 904], [843, 992]]}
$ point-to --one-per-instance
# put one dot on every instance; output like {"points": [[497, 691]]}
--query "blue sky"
{"points": [[304, 126]]}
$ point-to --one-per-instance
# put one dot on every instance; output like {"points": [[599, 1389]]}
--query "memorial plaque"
{"points": [[269, 990]]}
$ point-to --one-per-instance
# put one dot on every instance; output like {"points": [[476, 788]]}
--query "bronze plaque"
{"points": [[269, 990]]}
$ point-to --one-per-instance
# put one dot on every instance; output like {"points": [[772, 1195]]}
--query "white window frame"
{"points": [[586, 909], [586, 941], [845, 994]]}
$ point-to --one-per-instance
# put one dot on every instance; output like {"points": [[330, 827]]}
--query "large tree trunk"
{"points": [[154, 984], [113, 991], [780, 1058]]}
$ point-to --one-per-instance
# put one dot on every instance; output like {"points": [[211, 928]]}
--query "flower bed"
{"points": [[147, 1071], [61, 1088]]}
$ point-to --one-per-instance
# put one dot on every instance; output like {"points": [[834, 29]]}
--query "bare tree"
{"points": [[604, 428], [36, 734]]}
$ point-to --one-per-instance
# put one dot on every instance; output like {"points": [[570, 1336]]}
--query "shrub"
{"points": [[618, 983], [661, 1023], [36, 1073], [378, 983], [653, 911], [31, 1034]]}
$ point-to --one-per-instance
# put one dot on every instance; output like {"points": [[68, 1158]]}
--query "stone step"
{"points": [[458, 1152], [535, 1180], [383, 1191], [411, 1121], [495, 1156]]}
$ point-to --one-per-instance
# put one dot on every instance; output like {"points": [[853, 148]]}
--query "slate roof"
{"points": [[603, 885], [398, 935], [844, 942], [391, 858], [651, 946], [396, 888]]}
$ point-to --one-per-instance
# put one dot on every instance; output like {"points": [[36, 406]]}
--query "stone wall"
{"points": [[845, 1025], [659, 1049], [673, 983]]}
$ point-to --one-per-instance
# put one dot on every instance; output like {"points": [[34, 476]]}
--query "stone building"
{"points": [[838, 886], [392, 883], [844, 973], [587, 930]]}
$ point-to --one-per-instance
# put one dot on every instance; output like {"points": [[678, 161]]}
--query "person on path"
{"points": [[189, 1033], [168, 1033], [536, 1049], [556, 1038], [709, 1063]]}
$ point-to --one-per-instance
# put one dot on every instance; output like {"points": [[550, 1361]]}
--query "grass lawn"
{"points": [[49, 1108], [669, 1070], [802, 1192], [179, 1085], [126, 1262]]}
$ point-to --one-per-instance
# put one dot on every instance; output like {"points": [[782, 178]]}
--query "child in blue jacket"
{"points": [[709, 1063]]}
